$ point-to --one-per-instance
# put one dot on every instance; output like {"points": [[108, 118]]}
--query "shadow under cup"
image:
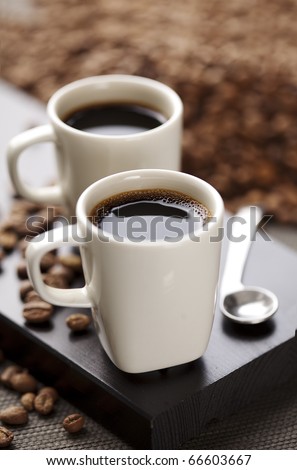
{"points": [[152, 302]]}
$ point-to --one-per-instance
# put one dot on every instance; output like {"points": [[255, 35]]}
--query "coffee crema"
{"points": [[149, 214], [114, 119]]}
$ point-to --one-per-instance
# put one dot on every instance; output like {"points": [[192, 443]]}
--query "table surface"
{"points": [[21, 112]]}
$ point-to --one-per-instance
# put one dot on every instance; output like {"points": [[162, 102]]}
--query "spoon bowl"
{"points": [[249, 305], [238, 302]]}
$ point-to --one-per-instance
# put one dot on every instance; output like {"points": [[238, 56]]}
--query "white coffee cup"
{"points": [[152, 302], [82, 157]]}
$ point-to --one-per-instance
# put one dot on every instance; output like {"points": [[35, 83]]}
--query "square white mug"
{"points": [[152, 302]]}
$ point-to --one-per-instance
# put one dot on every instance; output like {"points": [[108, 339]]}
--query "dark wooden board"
{"points": [[163, 409]]}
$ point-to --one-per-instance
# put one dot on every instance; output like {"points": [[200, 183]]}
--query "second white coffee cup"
{"points": [[83, 157]]}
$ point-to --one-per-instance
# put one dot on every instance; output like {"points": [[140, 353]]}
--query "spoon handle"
{"points": [[241, 232]]}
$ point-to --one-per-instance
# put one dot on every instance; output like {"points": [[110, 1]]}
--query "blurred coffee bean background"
{"points": [[233, 63]]}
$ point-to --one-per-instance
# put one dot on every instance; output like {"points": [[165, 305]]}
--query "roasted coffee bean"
{"points": [[37, 311], [25, 207], [6, 225], [2, 255], [18, 225], [49, 391], [73, 423], [23, 382], [55, 280], [22, 246], [47, 261], [63, 272], [25, 287], [27, 400], [22, 272], [8, 373], [14, 415], [71, 261], [78, 321], [6, 437], [32, 296], [8, 240], [44, 403]]}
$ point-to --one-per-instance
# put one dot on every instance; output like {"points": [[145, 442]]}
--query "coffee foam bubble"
{"points": [[163, 196]]}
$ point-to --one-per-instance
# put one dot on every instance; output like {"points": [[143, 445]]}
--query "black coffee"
{"points": [[151, 214], [114, 119]]}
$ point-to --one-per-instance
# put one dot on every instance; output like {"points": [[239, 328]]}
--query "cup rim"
{"points": [[115, 78], [84, 221]]}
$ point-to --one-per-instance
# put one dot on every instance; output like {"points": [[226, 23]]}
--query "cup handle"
{"points": [[48, 194], [36, 249]]}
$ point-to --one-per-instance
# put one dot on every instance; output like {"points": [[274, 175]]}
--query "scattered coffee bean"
{"points": [[73, 423], [1, 251], [23, 382], [22, 246], [8, 373], [47, 261], [25, 287], [22, 220], [25, 207], [8, 240], [78, 321], [6, 225], [49, 391], [37, 311], [32, 296], [44, 403], [22, 272], [6, 437], [71, 261], [27, 400], [17, 224], [55, 280], [63, 272], [14, 415]]}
